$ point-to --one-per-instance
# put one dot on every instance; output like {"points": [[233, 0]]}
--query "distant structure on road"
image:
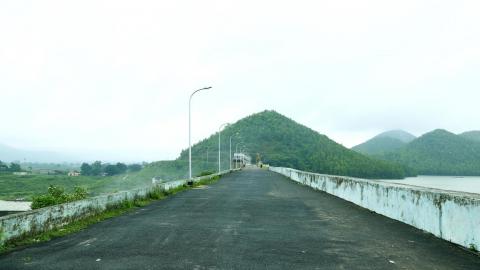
{"points": [[240, 160]]}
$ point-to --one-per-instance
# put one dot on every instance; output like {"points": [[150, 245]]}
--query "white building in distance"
{"points": [[240, 160]]}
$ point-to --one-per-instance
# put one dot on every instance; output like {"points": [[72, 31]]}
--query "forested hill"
{"points": [[282, 142], [471, 135], [384, 142], [439, 153], [397, 134]]}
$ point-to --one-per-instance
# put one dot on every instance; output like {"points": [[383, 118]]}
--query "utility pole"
{"points": [[190, 132], [220, 146]]}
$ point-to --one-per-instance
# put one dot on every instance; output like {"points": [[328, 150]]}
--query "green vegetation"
{"points": [[41, 175], [439, 153], [282, 142], [399, 135], [384, 142], [14, 167], [279, 141], [378, 146], [112, 211], [25, 187], [3, 167], [49, 168], [134, 167], [97, 168], [57, 195], [471, 135]]}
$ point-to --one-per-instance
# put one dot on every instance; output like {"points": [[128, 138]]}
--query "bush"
{"points": [[56, 195], [134, 167]]}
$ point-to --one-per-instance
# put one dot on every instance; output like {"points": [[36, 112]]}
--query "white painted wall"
{"points": [[453, 216]]}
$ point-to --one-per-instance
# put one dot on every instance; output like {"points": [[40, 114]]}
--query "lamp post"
{"points": [[190, 132], [219, 146], [230, 153]]}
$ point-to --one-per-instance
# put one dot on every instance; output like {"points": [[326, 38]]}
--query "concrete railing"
{"points": [[40, 220], [453, 216]]}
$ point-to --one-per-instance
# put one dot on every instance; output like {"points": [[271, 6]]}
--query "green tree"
{"points": [[86, 169], [111, 169], [121, 168], [439, 152], [97, 168], [3, 167], [134, 167], [15, 167]]}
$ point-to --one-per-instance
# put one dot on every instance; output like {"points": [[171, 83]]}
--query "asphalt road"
{"points": [[254, 219]]}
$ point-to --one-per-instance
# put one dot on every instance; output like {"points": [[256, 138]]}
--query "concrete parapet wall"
{"points": [[44, 219], [453, 216]]}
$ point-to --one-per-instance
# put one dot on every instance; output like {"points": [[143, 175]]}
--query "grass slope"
{"points": [[15, 187]]}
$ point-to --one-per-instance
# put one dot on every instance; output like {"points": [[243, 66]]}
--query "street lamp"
{"points": [[219, 145], [190, 132]]}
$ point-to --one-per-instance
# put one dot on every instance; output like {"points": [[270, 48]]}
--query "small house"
{"points": [[73, 173]]}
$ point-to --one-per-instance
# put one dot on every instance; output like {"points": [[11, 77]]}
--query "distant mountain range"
{"points": [[280, 141], [385, 142], [471, 135], [439, 152], [10, 154]]}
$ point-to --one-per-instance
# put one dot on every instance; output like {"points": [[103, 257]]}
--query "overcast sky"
{"points": [[114, 77]]}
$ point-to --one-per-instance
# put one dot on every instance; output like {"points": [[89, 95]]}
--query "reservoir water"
{"points": [[455, 183]]}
